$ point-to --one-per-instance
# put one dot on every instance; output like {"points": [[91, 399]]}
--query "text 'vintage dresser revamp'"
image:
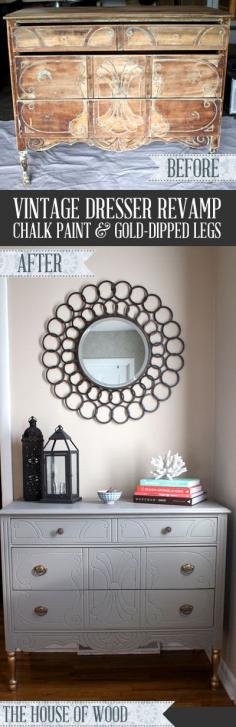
{"points": [[93, 579], [117, 78]]}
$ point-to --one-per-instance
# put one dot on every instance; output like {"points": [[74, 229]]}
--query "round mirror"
{"points": [[113, 352]]}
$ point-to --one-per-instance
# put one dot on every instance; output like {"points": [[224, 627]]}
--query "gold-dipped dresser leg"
{"points": [[11, 657], [214, 143], [215, 661], [24, 166]]}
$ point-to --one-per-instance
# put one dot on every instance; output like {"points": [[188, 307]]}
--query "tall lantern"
{"points": [[32, 455], [61, 469]]}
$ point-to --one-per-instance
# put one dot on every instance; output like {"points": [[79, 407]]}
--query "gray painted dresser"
{"points": [[92, 578]]}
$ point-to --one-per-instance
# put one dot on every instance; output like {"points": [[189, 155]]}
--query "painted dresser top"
{"points": [[131, 13], [19, 508]]}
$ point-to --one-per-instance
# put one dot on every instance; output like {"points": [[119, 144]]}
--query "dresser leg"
{"points": [[214, 143], [215, 661], [24, 166], [11, 657]]}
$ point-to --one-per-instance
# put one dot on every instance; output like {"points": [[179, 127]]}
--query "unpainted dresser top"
{"points": [[131, 13], [84, 508]]}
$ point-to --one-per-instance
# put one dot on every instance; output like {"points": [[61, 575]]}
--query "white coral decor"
{"points": [[169, 466]]}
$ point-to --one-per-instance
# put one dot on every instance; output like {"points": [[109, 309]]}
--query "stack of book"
{"points": [[170, 492]]}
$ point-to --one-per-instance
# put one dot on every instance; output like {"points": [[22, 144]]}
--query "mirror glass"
{"points": [[113, 352]]}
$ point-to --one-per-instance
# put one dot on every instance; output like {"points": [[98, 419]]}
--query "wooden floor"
{"points": [[182, 677]]}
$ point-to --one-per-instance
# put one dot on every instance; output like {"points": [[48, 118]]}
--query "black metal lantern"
{"points": [[32, 455], [61, 469]]}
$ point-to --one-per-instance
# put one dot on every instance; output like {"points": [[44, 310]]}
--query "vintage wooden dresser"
{"points": [[117, 78], [94, 579]]}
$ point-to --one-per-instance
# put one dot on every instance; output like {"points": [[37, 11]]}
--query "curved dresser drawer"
{"points": [[60, 531], [183, 116], [48, 610], [199, 76], [35, 38], [65, 118], [49, 77], [168, 530], [175, 36], [179, 609], [183, 567], [47, 569]]}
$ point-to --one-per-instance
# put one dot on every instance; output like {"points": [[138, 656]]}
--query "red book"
{"points": [[169, 491]]}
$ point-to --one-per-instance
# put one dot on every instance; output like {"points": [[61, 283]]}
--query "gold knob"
{"points": [[41, 610], [186, 609], [187, 568], [39, 570], [60, 531], [166, 530]]}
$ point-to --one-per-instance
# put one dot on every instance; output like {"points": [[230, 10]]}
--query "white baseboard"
{"points": [[228, 680]]}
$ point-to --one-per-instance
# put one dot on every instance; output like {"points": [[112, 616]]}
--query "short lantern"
{"points": [[61, 469]]}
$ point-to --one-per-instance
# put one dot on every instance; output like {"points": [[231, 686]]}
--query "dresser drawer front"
{"points": [[112, 568], [66, 118], [65, 38], [179, 609], [45, 77], [168, 530], [48, 78], [177, 116], [174, 36], [180, 568], [75, 530], [199, 76], [47, 568], [64, 610]]}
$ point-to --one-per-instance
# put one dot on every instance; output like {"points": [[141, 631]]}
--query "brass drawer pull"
{"points": [[186, 609], [187, 568], [39, 570], [41, 610], [60, 531], [166, 530]]}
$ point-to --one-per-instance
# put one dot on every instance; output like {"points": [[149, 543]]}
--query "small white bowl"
{"points": [[109, 497]]}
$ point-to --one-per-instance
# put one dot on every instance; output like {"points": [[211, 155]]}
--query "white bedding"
{"points": [[84, 167]]}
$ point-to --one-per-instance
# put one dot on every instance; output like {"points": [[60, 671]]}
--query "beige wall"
{"points": [[112, 454], [225, 441]]}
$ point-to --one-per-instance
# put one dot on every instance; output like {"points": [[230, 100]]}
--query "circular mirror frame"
{"points": [[61, 361]]}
